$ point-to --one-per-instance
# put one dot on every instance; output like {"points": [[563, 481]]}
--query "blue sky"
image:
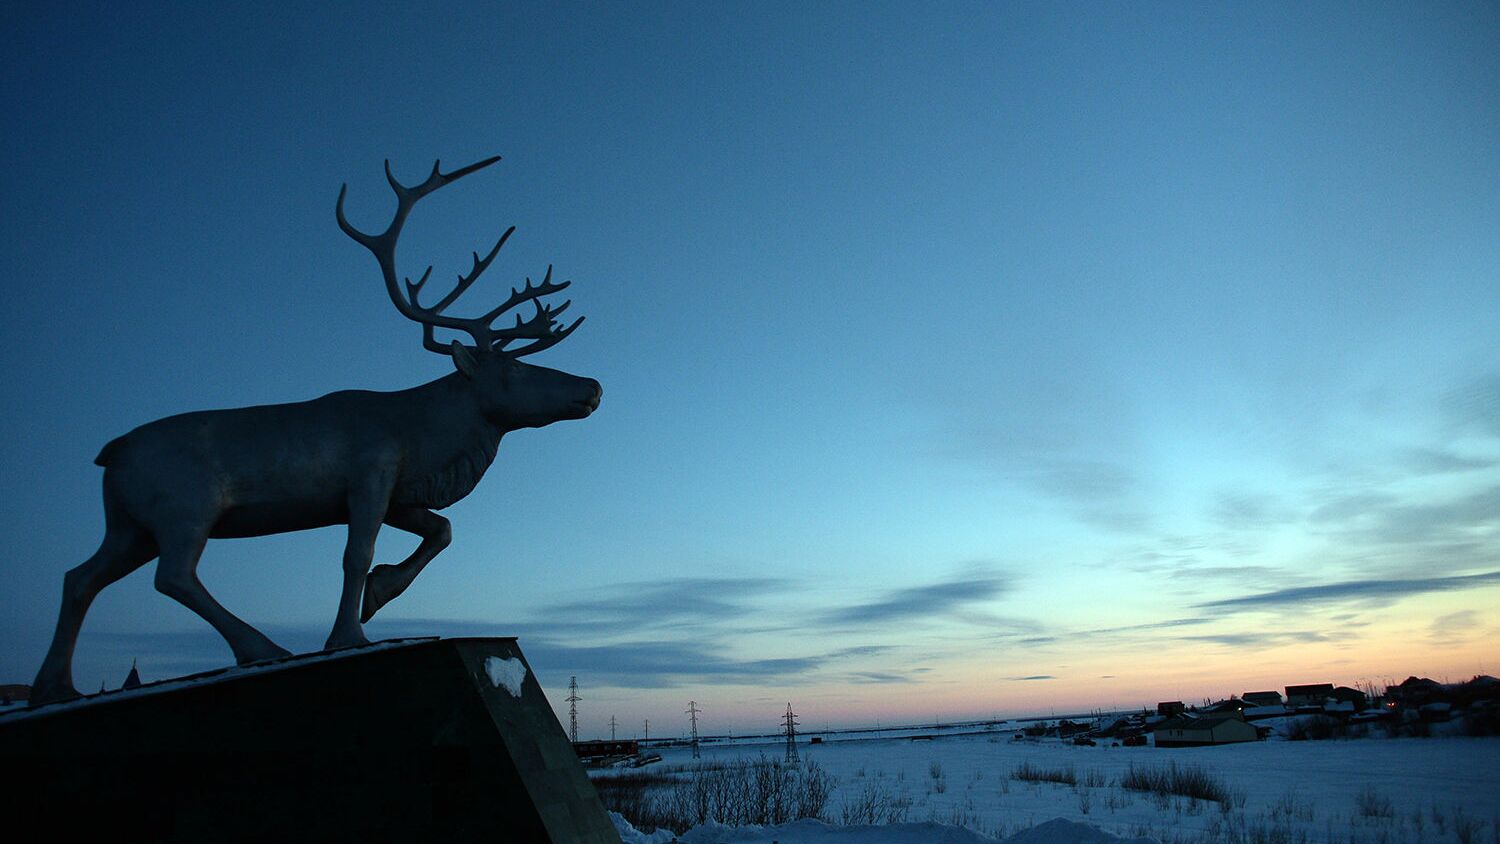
{"points": [[979, 359]]}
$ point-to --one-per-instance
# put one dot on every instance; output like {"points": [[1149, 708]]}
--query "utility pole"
{"points": [[692, 712], [572, 700], [789, 721], [611, 728], [646, 735]]}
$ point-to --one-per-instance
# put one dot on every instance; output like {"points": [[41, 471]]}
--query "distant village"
{"points": [[1311, 711], [1324, 709]]}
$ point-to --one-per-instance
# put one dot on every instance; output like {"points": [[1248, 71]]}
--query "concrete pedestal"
{"points": [[421, 740]]}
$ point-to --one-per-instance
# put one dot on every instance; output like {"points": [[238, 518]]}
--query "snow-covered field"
{"points": [[1355, 790]]}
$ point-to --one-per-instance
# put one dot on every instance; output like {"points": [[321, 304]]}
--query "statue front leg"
{"points": [[367, 506], [385, 582]]}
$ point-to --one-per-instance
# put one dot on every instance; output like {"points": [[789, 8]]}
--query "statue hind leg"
{"points": [[125, 548]]}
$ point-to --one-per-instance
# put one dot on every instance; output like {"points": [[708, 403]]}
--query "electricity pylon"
{"points": [[789, 721], [572, 700], [692, 712]]}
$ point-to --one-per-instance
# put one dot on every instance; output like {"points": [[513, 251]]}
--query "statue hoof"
{"points": [[376, 593], [60, 693], [266, 655], [337, 642]]}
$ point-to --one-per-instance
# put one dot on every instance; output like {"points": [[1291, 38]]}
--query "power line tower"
{"points": [[789, 721], [692, 712], [572, 700], [646, 736], [611, 728]]}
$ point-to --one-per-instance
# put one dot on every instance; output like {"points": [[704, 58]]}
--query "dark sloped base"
{"points": [[415, 741]]}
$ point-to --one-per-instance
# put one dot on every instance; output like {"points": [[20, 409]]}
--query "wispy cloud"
{"points": [[1341, 508], [1197, 556], [1475, 405], [640, 662], [1436, 461], [1180, 630], [665, 664], [1147, 626], [1243, 511], [1259, 639], [1221, 573], [628, 608], [649, 634], [1031, 677], [1453, 627], [861, 650], [660, 664], [1077, 637], [922, 602], [879, 677], [1353, 590], [1071, 443], [1456, 518], [1097, 492], [634, 664]]}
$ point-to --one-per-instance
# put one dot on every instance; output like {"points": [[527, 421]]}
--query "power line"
{"points": [[572, 700], [692, 712], [789, 721]]}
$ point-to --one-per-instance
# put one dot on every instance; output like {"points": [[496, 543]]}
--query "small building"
{"points": [[1310, 696], [1415, 692], [1123, 727], [604, 749], [1170, 708], [1066, 728], [1346, 694], [1476, 691], [13, 693], [1234, 707], [1436, 711], [1261, 698], [1200, 732]]}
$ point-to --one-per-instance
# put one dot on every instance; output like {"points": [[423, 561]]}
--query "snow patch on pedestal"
{"points": [[506, 673]]}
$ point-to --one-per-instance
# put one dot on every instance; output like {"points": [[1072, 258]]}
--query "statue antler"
{"points": [[540, 327]]}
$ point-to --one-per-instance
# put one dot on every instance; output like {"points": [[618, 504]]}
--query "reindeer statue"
{"points": [[355, 458]]}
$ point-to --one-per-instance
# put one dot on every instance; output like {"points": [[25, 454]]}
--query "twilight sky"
{"points": [[985, 359]]}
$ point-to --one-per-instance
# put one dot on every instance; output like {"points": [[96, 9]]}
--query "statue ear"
{"points": [[463, 359]]}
